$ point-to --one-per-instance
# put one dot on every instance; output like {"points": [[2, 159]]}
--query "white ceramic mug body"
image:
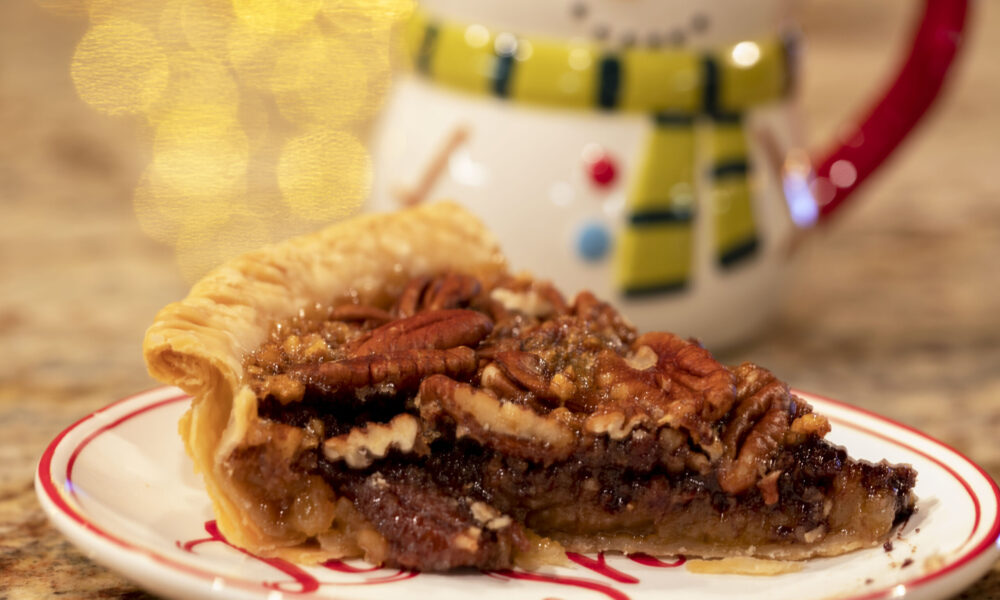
{"points": [[524, 170]]}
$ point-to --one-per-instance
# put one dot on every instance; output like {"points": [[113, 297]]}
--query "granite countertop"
{"points": [[896, 307]]}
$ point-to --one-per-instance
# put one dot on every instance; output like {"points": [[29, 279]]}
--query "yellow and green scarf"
{"points": [[695, 99]]}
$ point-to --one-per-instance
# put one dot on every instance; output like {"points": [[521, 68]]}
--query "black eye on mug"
{"points": [[579, 10], [601, 32], [700, 22]]}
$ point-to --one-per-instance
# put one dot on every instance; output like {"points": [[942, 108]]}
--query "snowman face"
{"points": [[624, 23]]}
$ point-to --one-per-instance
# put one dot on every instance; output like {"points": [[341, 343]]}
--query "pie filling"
{"points": [[474, 424]]}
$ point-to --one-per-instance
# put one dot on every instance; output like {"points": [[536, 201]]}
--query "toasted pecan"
{"points": [[433, 329]]}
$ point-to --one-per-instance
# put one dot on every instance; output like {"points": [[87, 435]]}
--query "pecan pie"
{"points": [[386, 389]]}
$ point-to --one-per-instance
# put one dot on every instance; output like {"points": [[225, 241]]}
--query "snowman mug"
{"points": [[643, 149]]}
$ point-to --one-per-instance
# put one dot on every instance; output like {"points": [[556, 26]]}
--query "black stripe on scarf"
{"points": [[610, 70], [426, 50]]}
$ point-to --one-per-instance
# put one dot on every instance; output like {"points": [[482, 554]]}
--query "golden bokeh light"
{"points": [[324, 175], [256, 110], [276, 17], [197, 81], [203, 25], [367, 15], [323, 82], [252, 54], [201, 149], [164, 211], [119, 67], [144, 12]]}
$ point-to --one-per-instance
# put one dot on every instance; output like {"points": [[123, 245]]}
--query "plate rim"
{"points": [[78, 528]]}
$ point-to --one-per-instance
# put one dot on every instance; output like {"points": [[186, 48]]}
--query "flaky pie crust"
{"points": [[199, 343]]}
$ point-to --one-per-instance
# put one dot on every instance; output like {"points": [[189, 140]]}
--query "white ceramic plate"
{"points": [[118, 484]]}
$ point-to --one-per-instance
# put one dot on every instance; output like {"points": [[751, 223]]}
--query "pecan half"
{"points": [[362, 446], [691, 365], [756, 452], [624, 398], [510, 428], [756, 429], [526, 369], [452, 290], [603, 316], [434, 329], [492, 378], [408, 302], [402, 369]]}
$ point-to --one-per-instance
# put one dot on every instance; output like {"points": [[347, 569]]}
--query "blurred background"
{"points": [[894, 307]]}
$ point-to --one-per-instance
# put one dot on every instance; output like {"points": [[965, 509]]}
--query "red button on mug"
{"points": [[601, 167]]}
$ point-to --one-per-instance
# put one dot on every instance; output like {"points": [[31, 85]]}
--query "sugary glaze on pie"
{"points": [[470, 418], [465, 419]]}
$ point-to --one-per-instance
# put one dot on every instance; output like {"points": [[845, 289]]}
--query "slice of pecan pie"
{"points": [[385, 389]]}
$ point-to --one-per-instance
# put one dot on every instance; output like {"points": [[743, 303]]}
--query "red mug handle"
{"points": [[843, 168]]}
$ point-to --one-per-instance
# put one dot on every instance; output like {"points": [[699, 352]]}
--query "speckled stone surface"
{"points": [[895, 308]]}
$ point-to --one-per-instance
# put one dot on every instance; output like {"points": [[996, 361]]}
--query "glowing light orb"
{"points": [[144, 12], [164, 211], [746, 54], [200, 149], [276, 17], [323, 81], [477, 36], [324, 175], [119, 67], [367, 15], [204, 25], [197, 81]]}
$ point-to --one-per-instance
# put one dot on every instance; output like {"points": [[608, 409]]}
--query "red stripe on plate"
{"points": [[93, 434], [52, 490], [994, 530]]}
